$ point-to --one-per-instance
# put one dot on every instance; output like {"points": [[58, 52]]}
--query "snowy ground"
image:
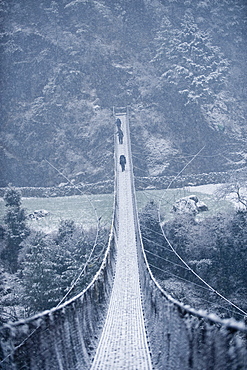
{"points": [[205, 189], [211, 189]]}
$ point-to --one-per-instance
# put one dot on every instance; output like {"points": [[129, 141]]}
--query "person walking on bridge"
{"points": [[122, 161], [120, 136], [118, 123]]}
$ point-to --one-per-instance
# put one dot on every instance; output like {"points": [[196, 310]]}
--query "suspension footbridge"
{"points": [[123, 344], [124, 320]]}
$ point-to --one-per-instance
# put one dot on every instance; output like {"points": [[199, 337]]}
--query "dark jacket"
{"points": [[122, 159]]}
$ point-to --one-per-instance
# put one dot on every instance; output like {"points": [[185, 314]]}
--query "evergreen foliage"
{"points": [[12, 198], [39, 273], [187, 59], [50, 264], [16, 229]]}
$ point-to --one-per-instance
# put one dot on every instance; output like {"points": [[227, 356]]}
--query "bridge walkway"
{"points": [[123, 343]]}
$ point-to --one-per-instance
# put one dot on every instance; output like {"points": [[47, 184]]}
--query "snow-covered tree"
{"points": [[235, 188], [39, 273], [51, 264], [187, 59], [15, 228]]}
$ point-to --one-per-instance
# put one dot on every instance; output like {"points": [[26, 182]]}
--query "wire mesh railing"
{"points": [[64, 337]]}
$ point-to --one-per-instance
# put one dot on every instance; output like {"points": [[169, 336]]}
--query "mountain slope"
{"points": [[180, 66]]}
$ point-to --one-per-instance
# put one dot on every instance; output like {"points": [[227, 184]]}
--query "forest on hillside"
{"points": [[180, 66]]}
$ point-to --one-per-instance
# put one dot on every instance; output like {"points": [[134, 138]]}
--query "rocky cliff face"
{"points": [[180, 66]]}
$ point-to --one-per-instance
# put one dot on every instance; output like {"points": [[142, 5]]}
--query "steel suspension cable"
{"points": [[200, 286], [173, 250], [201, 279], [80, 274], [159, 245], [95, 240], [180, 258], [178, 277], [164, 259], [86, 264], [167, 260]]}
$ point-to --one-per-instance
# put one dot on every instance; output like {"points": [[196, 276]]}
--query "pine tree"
{"points": [[39, 272], [51, 263], [16, 229], [187, 59]]}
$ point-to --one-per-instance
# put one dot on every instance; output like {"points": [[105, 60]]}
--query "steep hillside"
{"points": [[179, 65]]}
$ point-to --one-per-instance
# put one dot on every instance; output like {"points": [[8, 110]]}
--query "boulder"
{"points": [[37, 214], [201, 207], [189, 204], [185, 205], [193, 197]]}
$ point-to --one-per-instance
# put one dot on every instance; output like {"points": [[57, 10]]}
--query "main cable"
{"points": [[84, 267], [200, 278], [180, 258], [200, 286], [95, 240]]}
